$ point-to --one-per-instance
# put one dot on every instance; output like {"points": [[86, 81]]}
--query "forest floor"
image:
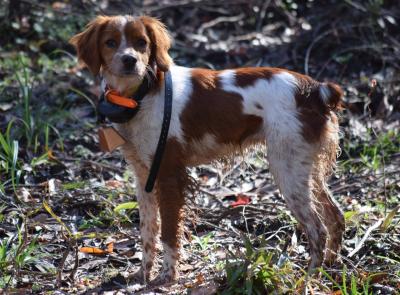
{"points": [[61, 197]]}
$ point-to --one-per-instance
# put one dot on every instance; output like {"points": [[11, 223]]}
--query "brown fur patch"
{"points": [[335, 101], [212, 110], [134, 31], [147, 247], [248, 76], [86, 43], [314, 114], [160, 42], [172, 180]]}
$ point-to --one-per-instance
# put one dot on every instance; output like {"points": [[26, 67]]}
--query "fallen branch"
{"points": [[365, 237]]}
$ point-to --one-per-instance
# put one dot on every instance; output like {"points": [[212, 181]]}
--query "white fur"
{"points": [[205, 148], [143, 131], [122, 46], [149, 220], [276, 97], [325, 92], [182, 90], [170, 260]]}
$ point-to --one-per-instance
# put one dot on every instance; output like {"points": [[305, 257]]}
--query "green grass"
{"points": [[28, 137], [36, 130], [372, 153], [10, 165], [203, 243], [352, 284], [17, 252], [259, 271]]}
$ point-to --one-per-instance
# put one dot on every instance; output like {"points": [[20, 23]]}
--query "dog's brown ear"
{"points": [[87, 44], [160, 42]]}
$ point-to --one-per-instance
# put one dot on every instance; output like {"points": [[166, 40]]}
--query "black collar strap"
{"points": [[162, 141]]}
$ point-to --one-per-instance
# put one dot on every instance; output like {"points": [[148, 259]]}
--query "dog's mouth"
{"points": [[124, 73], [127, 73]]}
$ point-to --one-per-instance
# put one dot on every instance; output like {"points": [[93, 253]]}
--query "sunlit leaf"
{"points": [[125, 206]]}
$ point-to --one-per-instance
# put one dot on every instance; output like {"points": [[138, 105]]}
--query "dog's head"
{"points": [[124, 47]]}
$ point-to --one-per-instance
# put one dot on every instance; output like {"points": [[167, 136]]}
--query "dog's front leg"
{"points": [[171, 201], [149, 222], [149, 228]]}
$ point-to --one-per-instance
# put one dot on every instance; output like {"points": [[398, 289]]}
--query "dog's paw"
{"points": [[332, 258], [165, 277], [140, 277]]}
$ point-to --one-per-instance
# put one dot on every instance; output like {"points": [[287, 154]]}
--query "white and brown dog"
{"points": [[215, 113]]}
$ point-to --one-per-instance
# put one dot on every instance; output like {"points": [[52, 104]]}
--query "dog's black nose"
{"points": [[129, 61]]}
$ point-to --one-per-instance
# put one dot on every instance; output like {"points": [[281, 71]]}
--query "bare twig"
{"points": [[218, 20], [261, 15], [365, 237]]}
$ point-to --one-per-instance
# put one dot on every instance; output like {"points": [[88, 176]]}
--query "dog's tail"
{"points": [[331, 95]]}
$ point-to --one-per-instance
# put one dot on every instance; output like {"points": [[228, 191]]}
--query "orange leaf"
{"points": [[112, 183], [241, 200], [379, 277], [199, 279], [110, 247], [98, 251], [50, 155], [93, 250]]}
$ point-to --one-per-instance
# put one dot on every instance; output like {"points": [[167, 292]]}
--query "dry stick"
{"points": [[219, 20], [365, 237], [98, 164], [61, 266], [373, 88], [71, 243], [96, 5], [349, 49], [191, 3], [367, 175], [275, 233], [356, 5], [76, 265], [245, 219], [225, 175], [218, 227], [261, 15], [308, 52], [214, 196], [42, 6], [102, 166], [351, 184], [321, 36]]}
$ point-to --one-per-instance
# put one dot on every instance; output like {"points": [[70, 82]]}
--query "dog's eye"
{"points": [[141, 43], [111, 43]]}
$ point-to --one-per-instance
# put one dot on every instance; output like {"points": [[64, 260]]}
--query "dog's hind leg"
{"points": [[324, 164], [291, 164], [332, 217]]}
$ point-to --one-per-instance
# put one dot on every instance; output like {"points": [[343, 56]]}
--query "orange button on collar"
{"points": [[114, 97]]}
